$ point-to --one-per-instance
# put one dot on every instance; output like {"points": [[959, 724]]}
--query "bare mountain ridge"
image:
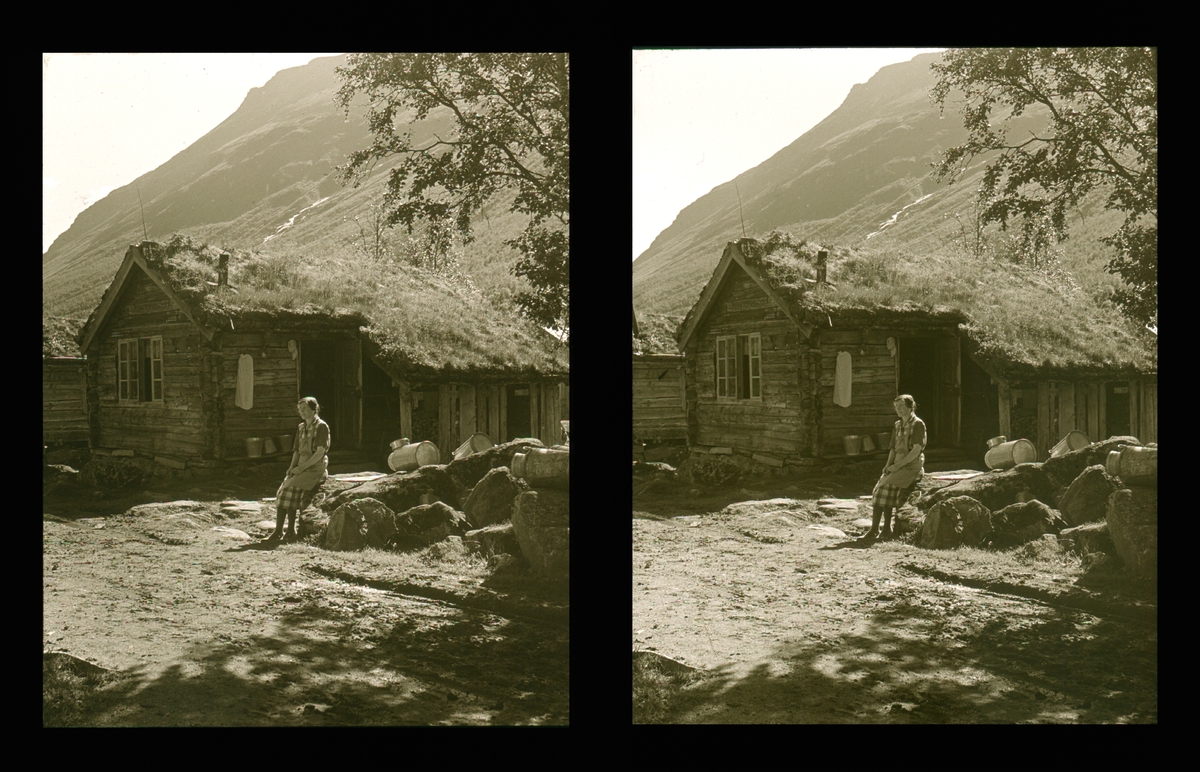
{"points": [[858, 178], [269, 163]]}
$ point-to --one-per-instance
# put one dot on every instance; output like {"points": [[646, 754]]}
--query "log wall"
{"points": [[659, 398], [276, 388], [773, 425], [174, 427], [64, 400]]}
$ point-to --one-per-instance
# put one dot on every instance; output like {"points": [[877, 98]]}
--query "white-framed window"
{"points": [[139, 369], [739, 367]]}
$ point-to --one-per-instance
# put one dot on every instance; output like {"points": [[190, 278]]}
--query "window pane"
{"points": [[158, 389]]}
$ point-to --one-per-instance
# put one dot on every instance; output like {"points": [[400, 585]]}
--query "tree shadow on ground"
{"points": [[416, 663], [908, 664]]}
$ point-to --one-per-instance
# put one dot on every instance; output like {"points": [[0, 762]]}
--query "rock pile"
{"points": [[1072, 498], [474, 500]]}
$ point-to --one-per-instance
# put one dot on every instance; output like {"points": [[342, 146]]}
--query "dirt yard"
{"points": [[785, 618], [204, 626]]}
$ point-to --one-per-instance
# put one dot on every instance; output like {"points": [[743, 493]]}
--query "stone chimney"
{"points": [[223, 270], [821, 257]]}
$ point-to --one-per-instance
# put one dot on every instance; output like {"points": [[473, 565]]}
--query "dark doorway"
{"points": [[980, 408], [381, 410], [424, 414], [518, 411], [919, 361], [318, 378], [1116, 408]]}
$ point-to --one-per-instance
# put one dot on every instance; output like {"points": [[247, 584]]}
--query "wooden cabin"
{"points": [[164, 378], [64, 400], [762, 367]]}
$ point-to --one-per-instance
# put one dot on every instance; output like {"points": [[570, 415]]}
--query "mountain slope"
{"points": [[859, 178], [264, 175]]}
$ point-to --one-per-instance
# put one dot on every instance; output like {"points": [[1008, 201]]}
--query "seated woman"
{"points": [[905, 465], [309, 468]]}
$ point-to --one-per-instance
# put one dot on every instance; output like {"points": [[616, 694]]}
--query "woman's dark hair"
{"points": [[908, 401], [312, 403]]}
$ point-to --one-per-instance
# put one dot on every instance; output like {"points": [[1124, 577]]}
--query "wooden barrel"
{"points": [[413, 456], [476, 443], [543, 467], [1073, 441], [1135, 466], [852, 444], [1006, 455]]}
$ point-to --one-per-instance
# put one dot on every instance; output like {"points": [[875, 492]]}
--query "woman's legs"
{"points": [[291, 523], [875, 515], [278, 532]]}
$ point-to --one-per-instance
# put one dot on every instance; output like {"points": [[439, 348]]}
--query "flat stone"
{"points": [[233, 532], [826, 530]]}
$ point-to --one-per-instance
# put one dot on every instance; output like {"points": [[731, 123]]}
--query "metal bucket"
{"points": [[1135, 466], [1006, 455], [853, 444], [254, 447], [413, 456], [1073, 441], [993, 442], [400, 443], [476, 443]]}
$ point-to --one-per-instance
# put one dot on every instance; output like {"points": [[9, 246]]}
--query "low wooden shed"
{"points": [[64, 400], [786, 367], [187, 381]]}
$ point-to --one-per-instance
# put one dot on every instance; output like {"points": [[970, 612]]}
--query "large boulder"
{"points": [[491, 500], [403, 490], [493, 540], [955, 522], [996, 490], [1019, 523], [1132, 519], [1086, 498], [347, 529], [378, 519], [423, 525], [1088, 538], [541, 520], [1062, 470]]}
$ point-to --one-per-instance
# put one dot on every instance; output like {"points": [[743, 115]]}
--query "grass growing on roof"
{"points": [[1019, 317], [416, 318]]}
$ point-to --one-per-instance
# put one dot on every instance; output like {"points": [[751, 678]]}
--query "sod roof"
{"points": [[1019, 322], [418, 324]]}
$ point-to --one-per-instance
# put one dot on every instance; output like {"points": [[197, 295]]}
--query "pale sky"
{"points": [[107, 119], [702, 117]]}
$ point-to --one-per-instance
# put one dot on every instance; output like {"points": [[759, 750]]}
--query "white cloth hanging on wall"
{"points": [[841, 380], [244, 396]]}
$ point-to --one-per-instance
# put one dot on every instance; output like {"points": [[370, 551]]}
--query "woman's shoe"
{"points": [[870, 535], [274, 537], [887, 534]]}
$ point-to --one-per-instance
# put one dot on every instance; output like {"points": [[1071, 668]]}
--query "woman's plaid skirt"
{"points": [[887, 496], [289, 498]]}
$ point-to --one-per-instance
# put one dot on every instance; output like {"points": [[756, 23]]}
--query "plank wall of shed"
{"points": [[775, 424], [64, 391], [659, 398], [1066, 406], [175, 426], [467, 408]]}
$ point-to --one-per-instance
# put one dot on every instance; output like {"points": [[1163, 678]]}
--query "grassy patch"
{"points": [[656, 685], [69, 692]]}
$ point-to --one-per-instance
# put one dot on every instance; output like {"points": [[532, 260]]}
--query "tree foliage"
{"points": [[511, 132], [1102, 132]]}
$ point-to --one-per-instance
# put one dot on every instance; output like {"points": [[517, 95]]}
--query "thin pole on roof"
{"points": [[739, 195], [145, 236]]}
